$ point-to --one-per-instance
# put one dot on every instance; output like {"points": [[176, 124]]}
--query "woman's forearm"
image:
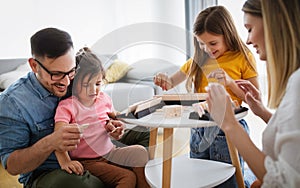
{"points": [[247, 149], [266, 115]]}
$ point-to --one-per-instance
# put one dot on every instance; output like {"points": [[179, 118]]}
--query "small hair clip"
{"points": [[83, 51]]}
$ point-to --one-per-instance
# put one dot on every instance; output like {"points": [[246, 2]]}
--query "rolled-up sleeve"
{"points": [[14, 132]]}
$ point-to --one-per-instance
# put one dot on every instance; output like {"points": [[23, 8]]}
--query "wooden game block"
{"points": [[183, 97], [147, 104], [142, 108], [172, 111]]}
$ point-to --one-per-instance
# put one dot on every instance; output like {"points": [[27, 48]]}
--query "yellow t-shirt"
{"points": [[233, 63]]}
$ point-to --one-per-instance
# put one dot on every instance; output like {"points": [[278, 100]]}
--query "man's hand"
{"points": [[25, 160], [66, 138]]}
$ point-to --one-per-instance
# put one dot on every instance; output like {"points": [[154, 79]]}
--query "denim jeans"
{"points": [[210, 143]]}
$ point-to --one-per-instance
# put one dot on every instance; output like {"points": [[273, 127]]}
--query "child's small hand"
{"points": [[73, 167], [221, 76], [115, 129], [162, 80], [109, 127]]}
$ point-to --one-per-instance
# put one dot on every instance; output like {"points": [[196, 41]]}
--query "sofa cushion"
{"points": [[125, 94]]}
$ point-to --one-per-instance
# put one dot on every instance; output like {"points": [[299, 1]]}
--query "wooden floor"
{"points": [[8, 181]]}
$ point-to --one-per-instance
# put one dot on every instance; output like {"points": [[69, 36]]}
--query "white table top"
{"points": [[191, 173], [157, 119]]}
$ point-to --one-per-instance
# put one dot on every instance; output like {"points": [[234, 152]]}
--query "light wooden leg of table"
{"points": [[167, 157], [236, 163], [152, 142]]}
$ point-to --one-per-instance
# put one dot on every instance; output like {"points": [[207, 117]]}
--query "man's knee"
{"points": [[60, 178]]}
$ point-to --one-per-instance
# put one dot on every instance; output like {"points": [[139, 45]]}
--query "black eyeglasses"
{"points": [[56, 76]]}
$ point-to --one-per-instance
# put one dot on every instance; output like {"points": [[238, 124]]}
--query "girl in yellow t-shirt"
{"points": [[220, 56]]}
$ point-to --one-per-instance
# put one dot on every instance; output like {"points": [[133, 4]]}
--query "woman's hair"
{"points": [[88, 65], [215, 20], [252, 7], [282, 37]]}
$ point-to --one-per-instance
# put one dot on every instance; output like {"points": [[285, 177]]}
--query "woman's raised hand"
{"points": [[253, 99], [220, 106], [252, 96]]}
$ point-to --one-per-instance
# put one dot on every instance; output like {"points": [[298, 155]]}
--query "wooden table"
{"points": [[156, 120]]}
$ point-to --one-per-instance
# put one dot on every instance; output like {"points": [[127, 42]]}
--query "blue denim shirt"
{"points": [[26, 115]]}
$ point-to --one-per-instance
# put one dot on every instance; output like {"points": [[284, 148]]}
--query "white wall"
{"points": [[92, 21], [87, 21], [21, 19]]}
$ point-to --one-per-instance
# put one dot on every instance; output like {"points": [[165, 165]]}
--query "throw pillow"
{"points": [[117, 71]]}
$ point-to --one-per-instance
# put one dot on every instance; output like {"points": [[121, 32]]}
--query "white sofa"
{"points": [[135, 86]]}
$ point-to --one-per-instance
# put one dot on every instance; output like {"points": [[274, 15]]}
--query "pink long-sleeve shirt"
{"points": [[95, 141]]}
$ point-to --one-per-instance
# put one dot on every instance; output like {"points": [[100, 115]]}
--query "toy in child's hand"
{"points": [[115, 130], [117, 133], [83, 127]]}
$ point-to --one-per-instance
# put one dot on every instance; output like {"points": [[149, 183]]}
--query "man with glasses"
{"points": [[26, 116], [57, 75]]}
